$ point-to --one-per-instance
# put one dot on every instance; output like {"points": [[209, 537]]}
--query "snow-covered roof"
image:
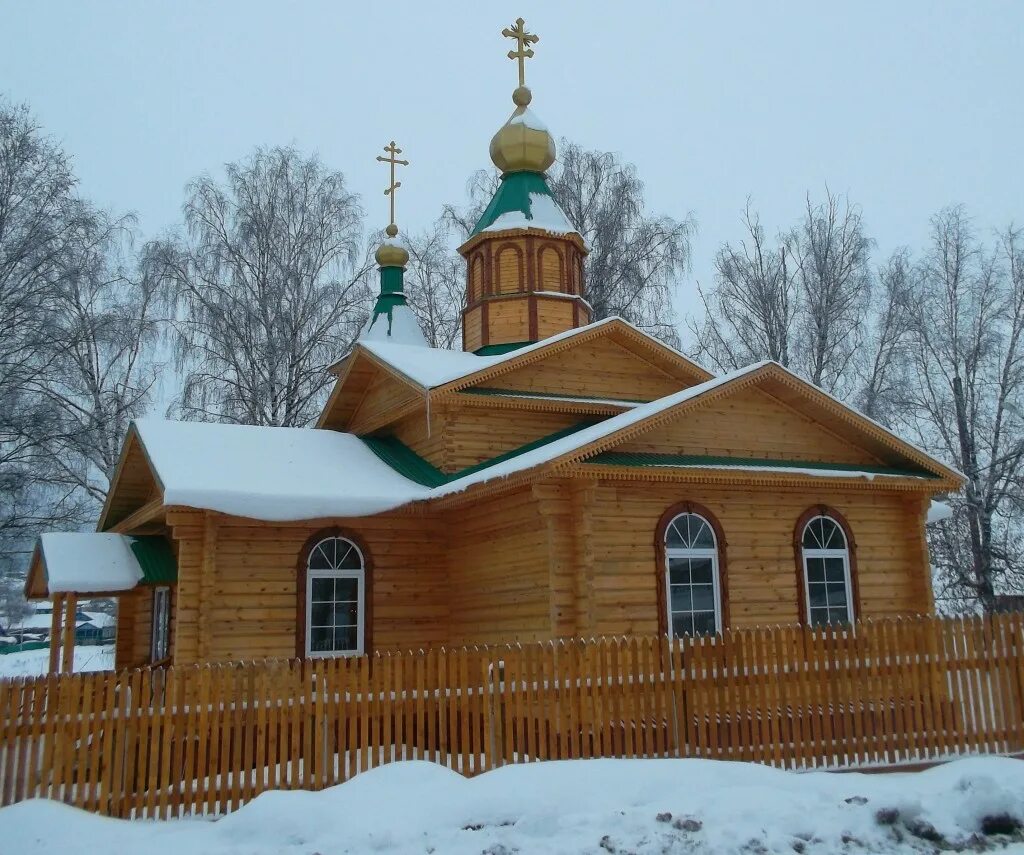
{"points": [[542, 212], [88, 561], [397, 326], [434, 367], [271, 473], [99, 619], [529, 118], [938, 511]]}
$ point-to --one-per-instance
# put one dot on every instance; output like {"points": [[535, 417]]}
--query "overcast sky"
{"points": [[906, 106]]}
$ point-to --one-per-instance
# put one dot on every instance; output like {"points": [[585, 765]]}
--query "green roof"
{"points": [[643, 458], [513, 194], [407, 462], [156, 558], [499, 349], [555, 396]]}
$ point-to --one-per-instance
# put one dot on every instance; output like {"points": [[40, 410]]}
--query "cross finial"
{"points": [[523, 50], [392, 159]]}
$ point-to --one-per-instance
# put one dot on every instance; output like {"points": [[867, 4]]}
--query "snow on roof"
{"points": [[399, 326], [937, 512], [528, 118], [432, 367], [544, 214], [99, 619], [271, 473], [88, 561]]}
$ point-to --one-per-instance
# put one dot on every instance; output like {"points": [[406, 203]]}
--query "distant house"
{"points": [[95, 628], [90, 627]]}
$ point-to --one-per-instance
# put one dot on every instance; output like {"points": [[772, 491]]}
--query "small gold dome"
{"points": [[391, 253], [522, 144]]}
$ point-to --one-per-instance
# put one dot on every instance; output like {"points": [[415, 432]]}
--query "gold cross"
{"points": [[522, 51], [393, 151]]}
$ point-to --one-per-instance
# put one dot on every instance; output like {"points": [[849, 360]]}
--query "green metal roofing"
{"points": [[391, 294], [643, 458], [156, 558], [500, 349], [554, 396], [407, 462], [513, 194]]}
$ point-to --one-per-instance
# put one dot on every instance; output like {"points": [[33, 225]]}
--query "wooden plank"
{"points": [[67, 658], [388, 690], [10, 692], [149, 744], [421, 707], [55, 633], [465, 759]]}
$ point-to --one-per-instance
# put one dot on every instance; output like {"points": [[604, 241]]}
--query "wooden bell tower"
{"points": [[524, 259]]}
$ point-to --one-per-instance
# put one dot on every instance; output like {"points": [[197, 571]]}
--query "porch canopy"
{"points": [[66, 565]]}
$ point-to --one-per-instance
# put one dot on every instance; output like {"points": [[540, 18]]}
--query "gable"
{"points": [[750, 423], [601, 368], [134, 484], [366, 394], [384, 399]]}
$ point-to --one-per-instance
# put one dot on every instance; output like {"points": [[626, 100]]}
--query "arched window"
{"points": [[692, 584], [828, 586], [335, 598]]}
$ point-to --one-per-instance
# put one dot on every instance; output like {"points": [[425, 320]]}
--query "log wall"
{"points": [[245, 598], [761, 564]]}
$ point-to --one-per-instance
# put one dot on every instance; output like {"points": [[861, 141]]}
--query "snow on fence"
{"points": [[206, 739]]}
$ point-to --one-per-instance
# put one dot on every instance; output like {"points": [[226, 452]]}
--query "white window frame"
{"points": [[687, 552], [160, 631], [360, 577], [843, 553]]}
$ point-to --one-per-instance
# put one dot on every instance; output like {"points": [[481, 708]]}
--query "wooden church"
{"points": [[557, 477]]}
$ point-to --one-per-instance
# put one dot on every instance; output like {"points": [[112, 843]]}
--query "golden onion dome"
{"points": [[391, 253], [522, 144]]}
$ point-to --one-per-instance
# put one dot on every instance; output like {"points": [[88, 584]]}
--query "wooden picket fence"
{"points": [[206, 739]]}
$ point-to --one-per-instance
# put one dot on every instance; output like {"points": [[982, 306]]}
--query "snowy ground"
{"points": [[583, 806], [32, 663]]}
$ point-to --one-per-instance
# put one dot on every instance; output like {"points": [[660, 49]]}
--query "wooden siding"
{"points": [[761, 564], [508, 320], [510, 274], [428, 441], [599, 368], [385, 398], [134, 628], [498, 565], [472, 435], [750, 423], [249, 605], [472, 329], [133, 485], [554, 314]]}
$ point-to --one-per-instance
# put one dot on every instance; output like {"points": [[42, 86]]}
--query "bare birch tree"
{"points": [[635, 259], [966, 399], [750, 313], [885, 352], [271, 285], [39, 219], [833, 277], [800, 300], [101, 374], [435, 285]]}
